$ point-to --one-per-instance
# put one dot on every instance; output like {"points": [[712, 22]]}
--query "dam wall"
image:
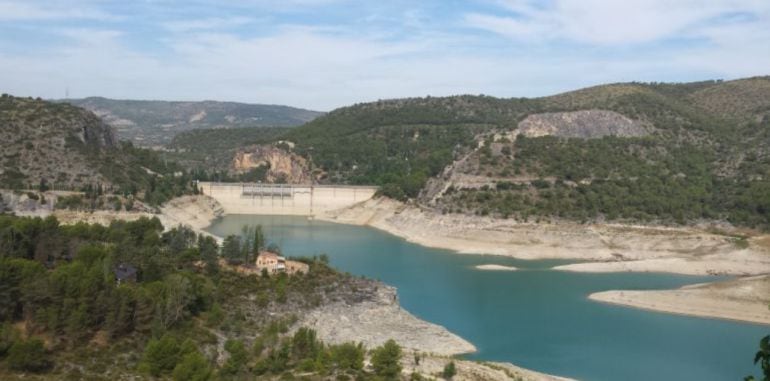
{"points": [[284, 199]]}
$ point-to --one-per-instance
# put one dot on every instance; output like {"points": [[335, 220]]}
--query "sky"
{"points": [[323, 54]]}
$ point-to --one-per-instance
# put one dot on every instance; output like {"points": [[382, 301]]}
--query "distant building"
{"points": [[275, 264], [125, 273]]}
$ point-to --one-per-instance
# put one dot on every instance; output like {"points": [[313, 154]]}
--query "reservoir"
{"points": [[535, 317]]}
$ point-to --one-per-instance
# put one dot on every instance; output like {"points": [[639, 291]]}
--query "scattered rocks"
{"points": [[584, 124]]}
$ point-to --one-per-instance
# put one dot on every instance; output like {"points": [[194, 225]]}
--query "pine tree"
{"points": [[386, 360]]}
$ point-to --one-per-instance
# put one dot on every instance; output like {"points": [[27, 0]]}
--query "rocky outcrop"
{"points": [[379, 318], [58, 144], [584, 124], [282, 166]]}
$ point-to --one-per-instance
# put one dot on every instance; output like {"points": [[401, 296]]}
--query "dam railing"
{"points": [[267, 190], [288, 199]]}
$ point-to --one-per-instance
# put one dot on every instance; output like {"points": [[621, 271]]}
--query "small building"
{"points": [[125, 273], [296, 267], [275, 264]]}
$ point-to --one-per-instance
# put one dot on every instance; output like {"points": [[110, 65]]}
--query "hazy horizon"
{"points": [[323, 54]]}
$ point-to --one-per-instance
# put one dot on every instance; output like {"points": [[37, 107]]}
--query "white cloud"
{"points": [[25, 11], [207, 24], [611, 22], [332, 65]]}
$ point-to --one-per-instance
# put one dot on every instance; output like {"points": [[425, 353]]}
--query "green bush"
{"points": [[449, 371], [238, 357], [8, 336], [160, 356], [763, 359], [192, 367], [348, 356], [386, 360], [28, 356]]}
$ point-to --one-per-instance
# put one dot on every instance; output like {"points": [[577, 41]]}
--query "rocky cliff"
{"points": [[584, 124], [281, 165], [54, 143]]}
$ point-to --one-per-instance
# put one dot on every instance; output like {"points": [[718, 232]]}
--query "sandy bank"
{"points": [[610, 248], [740, 262], [744, 299], [195, 212], [614, 247], [495, 268]]}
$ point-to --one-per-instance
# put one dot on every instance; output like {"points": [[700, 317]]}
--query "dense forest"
{"points": [[706, 159], [130, 300], [208, 151], [399, 144]]}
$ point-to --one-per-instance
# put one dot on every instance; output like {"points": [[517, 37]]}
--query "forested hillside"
{"points": [[705, 157], [48, 145], [214, 149], [130, 301], [155, 123]]}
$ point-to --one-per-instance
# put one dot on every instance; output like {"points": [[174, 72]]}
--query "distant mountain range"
{"points": [[155, 123]]}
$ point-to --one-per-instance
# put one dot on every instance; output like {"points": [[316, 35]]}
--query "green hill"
{"points": [[706, 156], [214, 149], [56, 145]]}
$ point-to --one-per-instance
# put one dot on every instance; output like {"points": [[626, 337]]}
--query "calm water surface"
{"points": [[536, 318]]}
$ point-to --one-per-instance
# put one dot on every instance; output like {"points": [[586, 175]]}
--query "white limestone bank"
{"points": [[373, 322], [495, 268], [610, 247], [744, 299]]}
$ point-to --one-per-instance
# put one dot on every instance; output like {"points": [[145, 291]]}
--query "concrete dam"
{"points": [[284, 199]]}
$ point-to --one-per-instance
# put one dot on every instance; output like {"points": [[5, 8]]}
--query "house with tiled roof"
{"points": [[274, 264]]}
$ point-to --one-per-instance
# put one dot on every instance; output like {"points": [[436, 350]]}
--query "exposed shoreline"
{"points": [[373, 322], [743, 300], [609, 248]]}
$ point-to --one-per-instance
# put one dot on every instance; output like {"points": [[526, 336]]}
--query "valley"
{"points": [[628, 192]]}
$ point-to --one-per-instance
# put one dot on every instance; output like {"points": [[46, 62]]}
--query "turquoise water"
{"points": [[536, 318]]}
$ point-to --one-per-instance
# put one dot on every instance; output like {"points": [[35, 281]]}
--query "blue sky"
{"points": [[323, 54]]}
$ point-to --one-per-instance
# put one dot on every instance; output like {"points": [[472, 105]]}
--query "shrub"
{"points": [[160, 356], [28, 356], [238, 356], [386, 360], [8, 336], [348, 356], [193, 367], [449, 371]]}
